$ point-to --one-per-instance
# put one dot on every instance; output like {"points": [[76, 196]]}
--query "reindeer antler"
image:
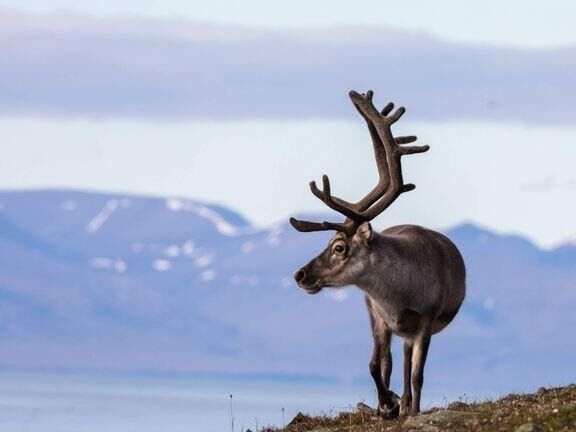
{"points": [[387, 151]]}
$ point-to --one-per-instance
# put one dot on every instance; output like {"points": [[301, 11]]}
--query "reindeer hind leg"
{"points": [[419, 354], [406, 400]]}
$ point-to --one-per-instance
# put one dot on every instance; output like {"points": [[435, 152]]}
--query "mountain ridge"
{"points": [[171, 284]]}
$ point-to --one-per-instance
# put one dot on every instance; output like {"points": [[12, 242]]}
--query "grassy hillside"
{"points": [[552, 409]]}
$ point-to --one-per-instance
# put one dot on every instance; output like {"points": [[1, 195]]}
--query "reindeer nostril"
{"points": [[299, 275]]}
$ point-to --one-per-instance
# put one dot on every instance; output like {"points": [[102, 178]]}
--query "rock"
{"points": [[299, 418], [435, 421], [365, 409], [541, 390], [457, 405], [529, 427]]}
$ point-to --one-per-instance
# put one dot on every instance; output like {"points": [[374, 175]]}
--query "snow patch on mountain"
{"points": [[161, 265], [172, 251], [120, 266], [208, 275], [221, 224], [100, 219], [103, 263], [338, 295], [188, 248], [204, 260], [69, 205], [570, 241], [273, 238]]}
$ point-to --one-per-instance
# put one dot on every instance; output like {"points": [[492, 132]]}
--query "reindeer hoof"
{"points": [[405, 406], [391, 409]]}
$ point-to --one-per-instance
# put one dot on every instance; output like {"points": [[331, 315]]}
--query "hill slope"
{"points": [[552, 409]]}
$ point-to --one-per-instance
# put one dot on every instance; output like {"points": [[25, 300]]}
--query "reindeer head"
{"points": [[348, 253], [341, 263]]}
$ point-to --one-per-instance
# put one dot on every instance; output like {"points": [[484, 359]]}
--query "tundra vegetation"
{"points": [[546, 410]]}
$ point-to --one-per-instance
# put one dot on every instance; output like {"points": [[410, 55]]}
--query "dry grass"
{"points": [[552, 409]]}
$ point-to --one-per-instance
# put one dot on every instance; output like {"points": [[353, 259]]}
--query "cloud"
{"points": [[72, 65], [547, 184], [543, 184]]}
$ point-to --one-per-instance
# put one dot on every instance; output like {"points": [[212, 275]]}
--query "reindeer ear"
{"points": [[364, 232]]}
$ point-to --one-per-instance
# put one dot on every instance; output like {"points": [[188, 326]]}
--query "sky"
{"points": [[511, 23], [243, 103]]}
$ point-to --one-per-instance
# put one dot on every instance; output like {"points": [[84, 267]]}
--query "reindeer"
{"points": [[413, 278]]}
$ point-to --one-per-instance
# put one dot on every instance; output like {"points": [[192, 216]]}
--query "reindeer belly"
{"points": [[405, 324]]}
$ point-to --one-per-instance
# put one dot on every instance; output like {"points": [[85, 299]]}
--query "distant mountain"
{"points": [[107, 281]]}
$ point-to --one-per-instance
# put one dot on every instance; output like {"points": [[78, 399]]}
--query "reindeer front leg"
{"points": [[381, 369]]}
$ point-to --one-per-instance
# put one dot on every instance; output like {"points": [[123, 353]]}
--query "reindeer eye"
{"points": [[339, 249]]}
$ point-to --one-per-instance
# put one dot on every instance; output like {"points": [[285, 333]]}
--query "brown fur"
{"points": [[413, 277]]}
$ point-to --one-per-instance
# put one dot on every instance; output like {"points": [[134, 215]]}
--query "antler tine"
{"points": [[382, 123], [388, 152], [305, 226], [381, 164], [327, 198], [348, 227], [405, 139], [388, 161], [413, 149], [386, 110]]}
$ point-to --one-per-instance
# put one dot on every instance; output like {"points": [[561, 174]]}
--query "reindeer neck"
{"points": [[380, 275]]}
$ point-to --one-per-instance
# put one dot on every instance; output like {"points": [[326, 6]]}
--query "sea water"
{"points": [[85, 402]]}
